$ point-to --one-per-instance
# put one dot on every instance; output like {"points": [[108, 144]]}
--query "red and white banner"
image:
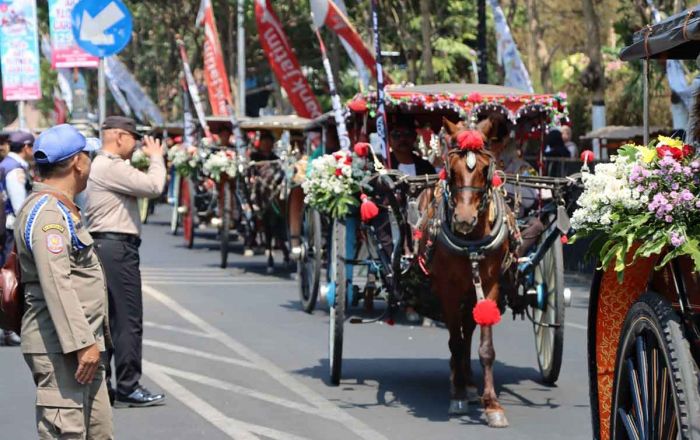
{"points": [[65, 52], [283, 61], [214, 68], [327, 13]]}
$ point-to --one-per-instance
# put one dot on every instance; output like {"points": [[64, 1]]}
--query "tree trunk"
{"points": [[593, 78], [539, 57], [426, 33]]}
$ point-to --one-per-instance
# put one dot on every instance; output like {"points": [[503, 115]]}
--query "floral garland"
{"points": [[221, 163], [649, 195], [186, 160], [139, 160], [333, 183]]}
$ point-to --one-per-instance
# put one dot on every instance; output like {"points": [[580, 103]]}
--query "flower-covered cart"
{"points": [[644, 312]]}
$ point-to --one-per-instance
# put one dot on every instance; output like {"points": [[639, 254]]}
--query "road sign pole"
{"points": [[101, 92], [20, 115], [241, 57]]}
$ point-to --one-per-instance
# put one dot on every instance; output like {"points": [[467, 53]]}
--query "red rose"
{"points": [[348, 160], [470, 140], [665, 150], [475, 98], [361, 149], [358, 105], [338, 172], [688, 150], [337, 156]]}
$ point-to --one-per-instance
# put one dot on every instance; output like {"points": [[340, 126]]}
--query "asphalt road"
{"points": [[238, 359]]}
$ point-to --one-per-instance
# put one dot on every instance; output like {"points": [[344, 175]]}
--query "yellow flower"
{"points": [[648, 154], [671, 142]]}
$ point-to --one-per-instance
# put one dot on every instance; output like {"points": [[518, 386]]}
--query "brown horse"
{"points": [[466, 244]]}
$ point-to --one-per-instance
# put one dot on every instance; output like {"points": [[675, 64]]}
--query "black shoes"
{"points": [[10, 339], [140, 398]]}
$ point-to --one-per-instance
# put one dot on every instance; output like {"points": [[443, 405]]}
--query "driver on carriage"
{"points": [[264, 149]]}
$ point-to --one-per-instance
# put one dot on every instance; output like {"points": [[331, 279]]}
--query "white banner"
{"points": [[508, 55], [142, 105]]}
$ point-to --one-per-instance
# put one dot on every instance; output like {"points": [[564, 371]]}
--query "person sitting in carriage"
{"points": [[264, 149]]}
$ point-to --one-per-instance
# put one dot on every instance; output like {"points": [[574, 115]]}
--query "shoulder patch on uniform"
{"points": [[54, 226], [54, 243]]}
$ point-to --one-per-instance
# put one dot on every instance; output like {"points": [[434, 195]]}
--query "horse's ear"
{"points": [[451, 127]]}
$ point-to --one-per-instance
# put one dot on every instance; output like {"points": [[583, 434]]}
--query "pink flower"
{"points": [[475, 98]]}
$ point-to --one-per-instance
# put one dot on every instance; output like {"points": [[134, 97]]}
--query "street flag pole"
{"points": [[20, 116], [381, 110], [102, 103], [241, 57], [335, 98]]}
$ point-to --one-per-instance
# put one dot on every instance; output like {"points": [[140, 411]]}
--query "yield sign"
{"points": [[101, 27]]}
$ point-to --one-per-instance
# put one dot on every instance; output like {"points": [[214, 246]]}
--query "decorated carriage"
{"points": [[644, 310], [364, 198]]}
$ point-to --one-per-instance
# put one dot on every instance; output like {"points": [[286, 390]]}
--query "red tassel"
{"points": [[564, 239], [587, 156], [486, 312], [470, 140], [368, 209], [390, 321], [496, 181]]}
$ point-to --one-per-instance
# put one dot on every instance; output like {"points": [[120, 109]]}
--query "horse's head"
{"points": [[470, 170]]}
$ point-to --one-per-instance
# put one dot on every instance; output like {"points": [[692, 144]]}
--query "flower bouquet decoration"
{"points": [[333, 183], [221, 163], [186, 160], [647, 196], [139, 160]]}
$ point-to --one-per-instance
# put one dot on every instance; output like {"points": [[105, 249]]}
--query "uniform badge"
{"points": [[59, 228], [54, 243]]}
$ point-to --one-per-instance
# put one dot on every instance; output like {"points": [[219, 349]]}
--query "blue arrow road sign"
{"points": [[101, 27]]}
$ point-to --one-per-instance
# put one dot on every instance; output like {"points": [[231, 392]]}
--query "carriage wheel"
{"points": [[655, 392], [175, 216], [549, 341], [226, 214], [187, 193], [337, 294], [309, 265], [144, 209]]}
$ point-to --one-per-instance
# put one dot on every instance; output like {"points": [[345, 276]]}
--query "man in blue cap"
{"points": [[15, 185], [65, 324]]}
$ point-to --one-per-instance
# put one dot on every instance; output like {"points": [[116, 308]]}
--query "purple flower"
{"points": [[677, 239], [675, 187], [695, 164], [668, 219], [686, 195]]}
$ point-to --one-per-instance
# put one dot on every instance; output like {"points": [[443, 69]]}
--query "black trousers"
{"points": [[121, 263]]}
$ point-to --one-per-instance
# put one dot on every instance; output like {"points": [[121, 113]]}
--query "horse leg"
{"points": [[459, 352], [468, 327], [268, 248], [495, 416]]}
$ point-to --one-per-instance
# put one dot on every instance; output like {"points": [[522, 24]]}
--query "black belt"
{"points": [[129, 238]]}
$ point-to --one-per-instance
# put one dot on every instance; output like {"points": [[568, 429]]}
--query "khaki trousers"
{"points": [[65, 409]]}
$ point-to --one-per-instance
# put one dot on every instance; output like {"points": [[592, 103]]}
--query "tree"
{"points": [[426, 32], [593, 78]]}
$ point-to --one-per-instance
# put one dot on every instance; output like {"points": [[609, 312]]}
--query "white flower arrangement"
{"points": [[222, 162], [186, 160], [139, 160]]}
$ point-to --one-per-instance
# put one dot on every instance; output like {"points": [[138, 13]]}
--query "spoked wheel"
{"points": [[187, 192], [144, 209], [549, 313], [337, 292], [226, 212], [175, 216], [309, 265], [655, 392]]}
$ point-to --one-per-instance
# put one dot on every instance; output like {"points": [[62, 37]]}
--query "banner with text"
{"points": [[214, 68], [65, 52], [19, 51], [283, 62]]}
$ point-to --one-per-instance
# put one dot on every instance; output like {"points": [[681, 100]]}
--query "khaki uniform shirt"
{"points": [[65, 290], [113, 189]]}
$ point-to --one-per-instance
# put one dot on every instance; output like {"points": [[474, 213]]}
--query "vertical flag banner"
{"points": [[326, 12], [214, 68], [381, 110], [192, 87], [65, 52], [508, 55], [121, 80], [362, 70], [19, 51], [283, 62]]}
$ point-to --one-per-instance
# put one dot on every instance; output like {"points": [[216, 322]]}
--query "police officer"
{"points": [[65, 326], [114, 222]]}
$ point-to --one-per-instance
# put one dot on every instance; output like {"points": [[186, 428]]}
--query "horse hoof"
{"points": [[496, 419], [473, 395], [458, 407]]}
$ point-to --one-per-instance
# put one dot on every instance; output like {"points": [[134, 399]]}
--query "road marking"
{"points": [[215, 283], [227, 386], [172, 328], [198, 353], [233, 428], [353, 424], [574, 325]]}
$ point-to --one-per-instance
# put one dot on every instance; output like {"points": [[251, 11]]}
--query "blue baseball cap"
{"points": [[60, 143]]}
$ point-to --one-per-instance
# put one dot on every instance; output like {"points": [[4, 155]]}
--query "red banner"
{"points": [[326, 12], [214, 68], [283, 61]]}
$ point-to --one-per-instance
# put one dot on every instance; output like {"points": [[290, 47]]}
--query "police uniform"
{"points": [[114, 222], [65, 311]]}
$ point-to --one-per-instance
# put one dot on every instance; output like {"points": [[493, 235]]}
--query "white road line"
{"points": [[574, 325], [215, 283], [284, 378], [227, 386], [172, 328], [202, 354]]}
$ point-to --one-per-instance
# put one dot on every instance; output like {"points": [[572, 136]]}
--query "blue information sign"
{"points": [[101, 27]]}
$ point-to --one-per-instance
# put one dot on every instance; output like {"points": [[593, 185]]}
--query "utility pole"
{"points": [[241, 58], [481, 42]]}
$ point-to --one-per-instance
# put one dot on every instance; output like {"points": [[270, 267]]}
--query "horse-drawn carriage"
{"points": [[449, 234], [644, 330]]}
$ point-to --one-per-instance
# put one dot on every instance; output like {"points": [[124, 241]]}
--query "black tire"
{"points": [[652, 341], [309, 265], [337, 310], [175, 215], [549, 341], [226, 214]]}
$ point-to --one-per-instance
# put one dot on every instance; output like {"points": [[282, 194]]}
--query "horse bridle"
{"points": [[485, 190]]}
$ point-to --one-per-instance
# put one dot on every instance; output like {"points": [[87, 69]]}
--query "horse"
{"points": [[467, 246]]}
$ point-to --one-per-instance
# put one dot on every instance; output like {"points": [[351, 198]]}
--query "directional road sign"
{"points": [[101, 27]]}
